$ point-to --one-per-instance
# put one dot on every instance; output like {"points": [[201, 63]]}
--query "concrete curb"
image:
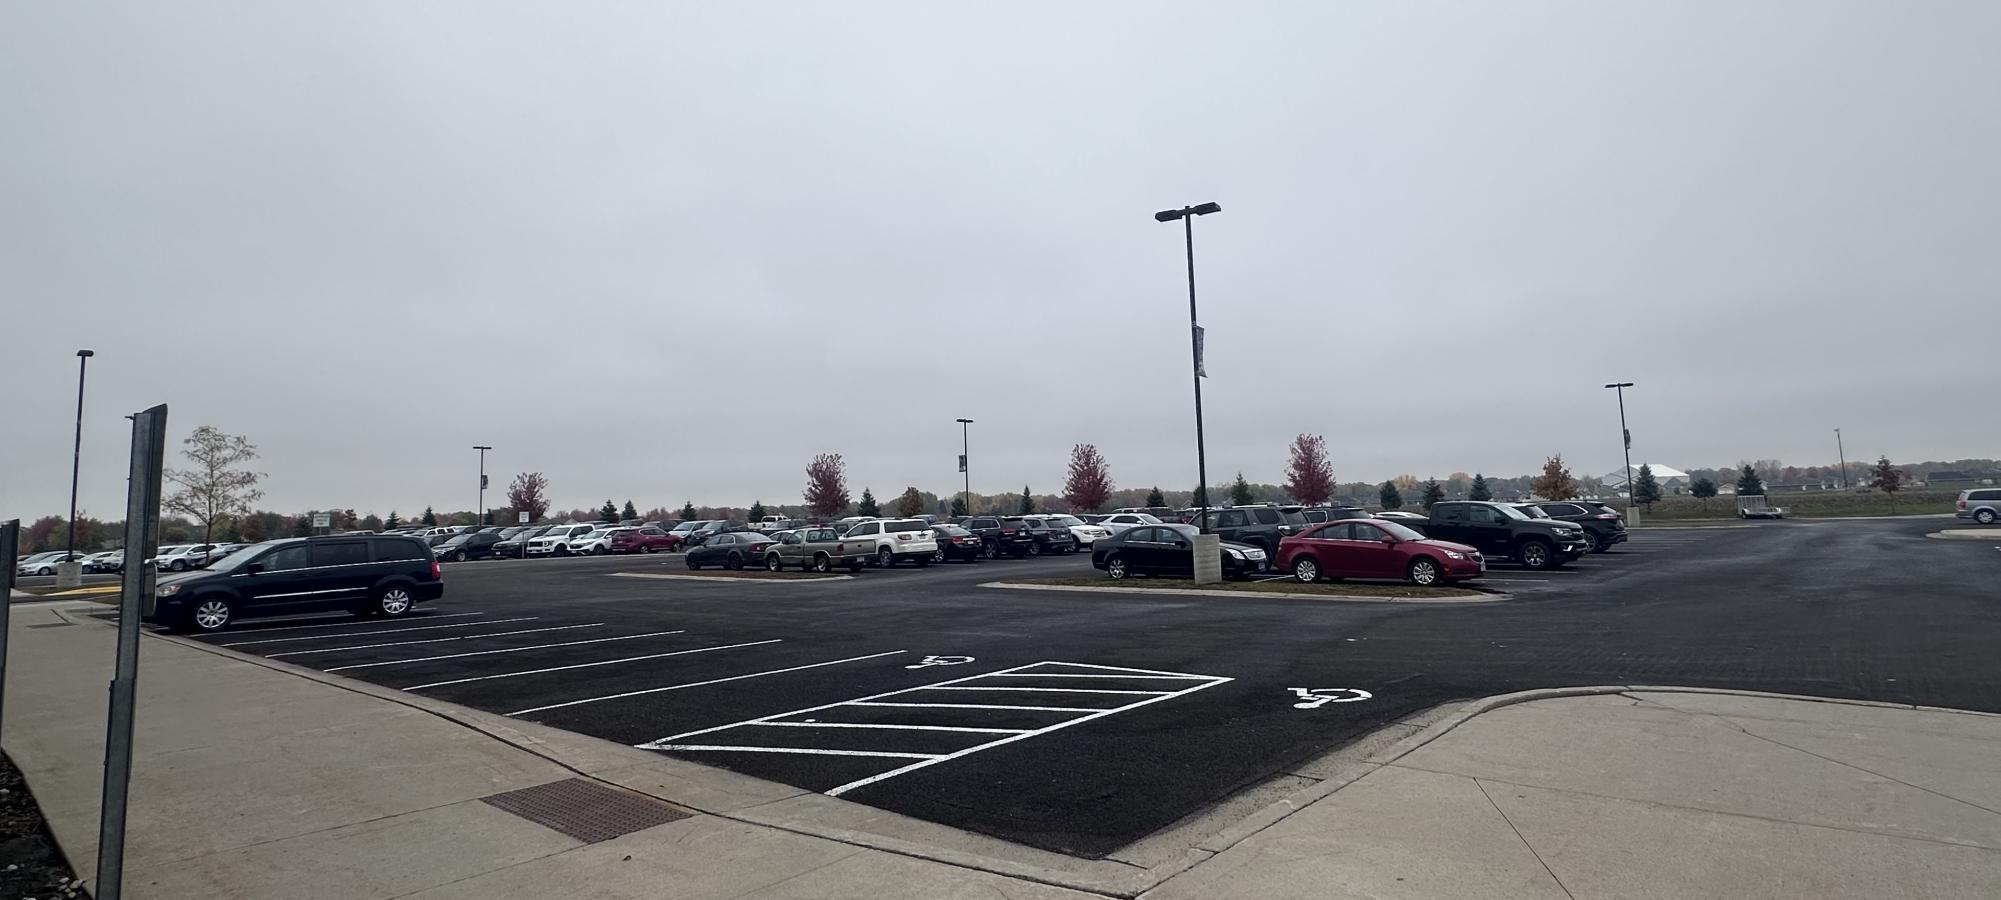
{"points": [[1195, 592], [728, 579]]}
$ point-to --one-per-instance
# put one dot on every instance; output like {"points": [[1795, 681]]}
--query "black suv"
{"points": [[1601, 522], [1042, 536], [998, 536], [368, 575], [1259, 526], [515, 545]]}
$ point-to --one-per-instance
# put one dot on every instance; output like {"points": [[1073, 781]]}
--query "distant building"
{"points": [[1670, 479]]}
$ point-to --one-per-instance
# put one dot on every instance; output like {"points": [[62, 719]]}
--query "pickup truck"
{"points": [[1500, 531], [819, 549]]}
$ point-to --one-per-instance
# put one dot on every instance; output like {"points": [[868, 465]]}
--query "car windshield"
{"points": [[1510, 511], [1532, 512], [1398, 531], [456, 539], [233, 561], [1065, 520]]}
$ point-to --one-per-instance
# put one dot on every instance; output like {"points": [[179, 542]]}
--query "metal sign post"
{"points": [[10, 540], [135, 600]]}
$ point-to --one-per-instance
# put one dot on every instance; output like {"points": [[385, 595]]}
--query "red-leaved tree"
{"points": [[1090, 479], [530, 494], [1310, 478], [827, 485]]}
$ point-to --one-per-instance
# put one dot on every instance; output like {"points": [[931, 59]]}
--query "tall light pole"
{"points": [[965, 466], [1187, 216], [1843, 456], [482, 520], [1626, 436], [76, 454]]}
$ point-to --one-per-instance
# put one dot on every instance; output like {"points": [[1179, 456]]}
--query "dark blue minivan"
{"points": [[367, 574]]}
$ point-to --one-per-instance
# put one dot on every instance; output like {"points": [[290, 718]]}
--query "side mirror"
{"points": [[1389, 542], [253, 568]]}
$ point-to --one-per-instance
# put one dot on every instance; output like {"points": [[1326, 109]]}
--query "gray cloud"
{"points": [[671, 251]]}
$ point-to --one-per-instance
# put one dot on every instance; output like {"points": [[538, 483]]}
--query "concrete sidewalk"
{"points": [[257, 780]]}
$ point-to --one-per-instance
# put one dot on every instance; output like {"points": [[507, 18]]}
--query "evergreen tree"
{"points": [[959, 507], [1432, 494], [1389, 495], [394, 521], [868, 505], [1155, 498], [1749, 484], [1885, 477], [303, 525], [756, 513], [1200, 498], [608, 512], [688, 511], [1646, 488], [1480, 491], [1027, 501], [629, 512], [430, 518], [1702, 489], [1240, 491]]}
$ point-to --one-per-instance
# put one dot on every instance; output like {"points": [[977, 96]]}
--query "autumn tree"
{"points": [[630, 511], [827, 485], [214, 487], [1646, 488], [867, 506], [371, 522], [1155, 498], [1480, 490], [1309, 477], [530, 494], [756, 513], [1885, 477], [1090, 480], [688, 511], [1555, 482], [1748, 482], [1390, 497], [1433, 493]]}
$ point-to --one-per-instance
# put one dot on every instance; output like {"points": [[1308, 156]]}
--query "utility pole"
{"points": [[483, 519], [1187, 216], [76, 458], [1843, 456], [965, 461], [1626, 437]]}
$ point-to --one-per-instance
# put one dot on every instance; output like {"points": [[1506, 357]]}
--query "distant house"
{"points": [[1671, 480]]}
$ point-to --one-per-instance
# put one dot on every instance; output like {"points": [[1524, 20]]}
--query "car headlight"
{"points": [[1454, 554], [1234, 553], [168, 590]]}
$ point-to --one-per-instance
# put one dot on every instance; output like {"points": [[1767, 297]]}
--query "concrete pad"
{"points": [[1879, 716], [1604, 847], [383, 858], [701, 858], [1615, 747], [1395, 833], [697, 786], [1962, 767], [886, 876]]}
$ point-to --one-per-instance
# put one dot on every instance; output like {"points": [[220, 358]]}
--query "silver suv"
{"points": [[1982, 505]]}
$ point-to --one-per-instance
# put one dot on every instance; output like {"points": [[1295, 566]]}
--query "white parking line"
{"points": [[894, 727], [676, 687], [1081, 675], [805, 751], [1053, 690], [348, 622], [315, 637], [605, 662], [405, 662], [463, 637], [963, 706]]}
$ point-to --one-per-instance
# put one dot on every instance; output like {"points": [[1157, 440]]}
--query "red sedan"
{"points": [[647, 539], [1376, 548]]}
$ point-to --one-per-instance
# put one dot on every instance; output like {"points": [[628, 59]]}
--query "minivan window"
{"points": [[1266, 516], [340, 553], [287, 559]]}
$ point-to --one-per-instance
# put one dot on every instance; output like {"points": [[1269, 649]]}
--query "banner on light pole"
{"points": [[1201, 370]]}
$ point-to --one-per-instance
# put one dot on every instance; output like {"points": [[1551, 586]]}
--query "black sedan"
{"points": [[957, 543], [512, 546], [468, 545], [729, 549], [1168, 550]]}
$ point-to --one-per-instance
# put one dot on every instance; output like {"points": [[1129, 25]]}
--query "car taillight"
{"points": [[1608, 515], [903, 537], [1007, 531], [1962, 504], [437, 572]]}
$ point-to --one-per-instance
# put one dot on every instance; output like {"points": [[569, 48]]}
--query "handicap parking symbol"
{"points": [[941, 661], [1314, 698]]}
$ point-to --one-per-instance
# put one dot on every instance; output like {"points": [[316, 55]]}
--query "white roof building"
{"points": [[1667, 476]]}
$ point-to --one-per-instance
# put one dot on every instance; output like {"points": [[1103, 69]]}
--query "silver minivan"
{"points": [[1982, 505]]}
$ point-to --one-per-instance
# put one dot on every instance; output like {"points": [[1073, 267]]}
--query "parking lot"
{"points": [[1081, 722]]}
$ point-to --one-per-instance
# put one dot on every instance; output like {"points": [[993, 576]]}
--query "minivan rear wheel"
{"points": [[1984, 517], [392, 601]]}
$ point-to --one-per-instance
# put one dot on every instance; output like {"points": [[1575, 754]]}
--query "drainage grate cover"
{"points": [[584, 809]]}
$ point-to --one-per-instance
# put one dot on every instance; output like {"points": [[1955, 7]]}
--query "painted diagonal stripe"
{"points": [[349, 622], [692, 684], [654, 744], [1082, 675], [893, 727], [1081, 709], [812, 752], [463, 637], [319, 637], [1126, 669], [1052, 690], [421, 659], [602, 662]]}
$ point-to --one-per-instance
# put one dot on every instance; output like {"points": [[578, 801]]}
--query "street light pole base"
{"points": [[69, 574], [1208, 559]]}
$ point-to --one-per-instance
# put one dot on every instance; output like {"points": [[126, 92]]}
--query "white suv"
{"points": [[1085, 532], [597, 542], [556, 541], [895, 540]]}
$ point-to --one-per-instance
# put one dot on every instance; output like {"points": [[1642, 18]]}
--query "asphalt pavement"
{"points": [[1081, 722]]}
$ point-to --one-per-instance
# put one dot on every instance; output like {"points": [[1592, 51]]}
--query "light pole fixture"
{"points": [[965, 469], [76, 453], [1626, 437], [483, 519], [1187, 216], [1842, 455]]}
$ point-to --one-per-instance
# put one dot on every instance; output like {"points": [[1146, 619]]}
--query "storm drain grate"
{"points": [[584, 809]]}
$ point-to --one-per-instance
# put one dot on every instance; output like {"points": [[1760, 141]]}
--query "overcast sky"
{"points": [[669, 251]]}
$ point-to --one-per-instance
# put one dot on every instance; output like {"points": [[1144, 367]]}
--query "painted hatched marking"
{"points": [[694, 684]]}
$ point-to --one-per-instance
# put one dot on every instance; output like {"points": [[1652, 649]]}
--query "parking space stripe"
{"points": [[1136, 673], [405, 662], [603, 662], [316, 637], [349, 622], [893, 727], [808, 751], [463, 637], [676, 687], [1083, 675], [960, 706], [1051, 690]]}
